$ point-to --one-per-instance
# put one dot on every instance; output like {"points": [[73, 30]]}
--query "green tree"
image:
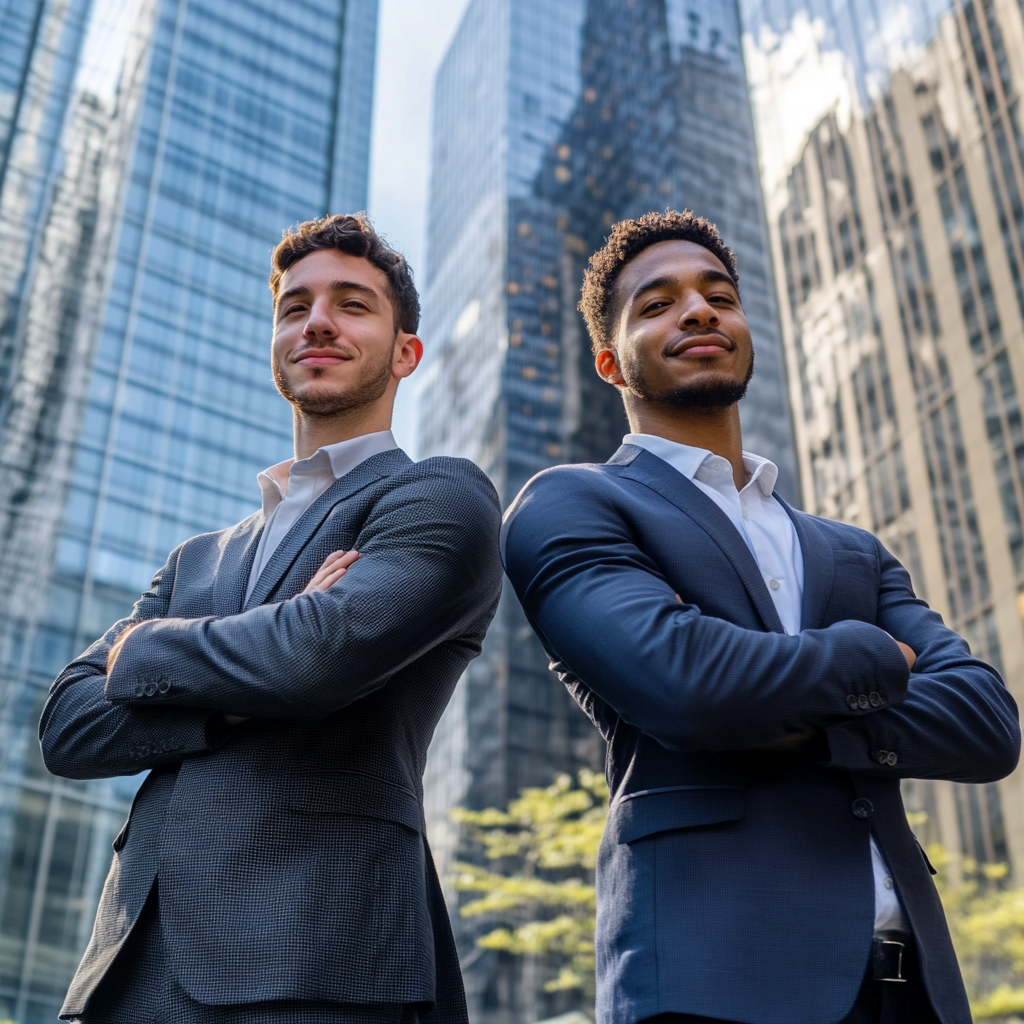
{"points": [[540, 894], [986, 922]]}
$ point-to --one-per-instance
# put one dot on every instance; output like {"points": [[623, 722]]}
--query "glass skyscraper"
{"points": [[892, 142], [140, 405], [40, 44], [552, 120]]}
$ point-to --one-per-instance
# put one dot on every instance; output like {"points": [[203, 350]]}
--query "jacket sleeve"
{"points": [[428, 566], [84, 736], [957, 721], [693, 682]]}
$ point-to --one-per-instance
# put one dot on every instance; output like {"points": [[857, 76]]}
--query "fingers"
{"points": [[334, 567], [115, 650], [908, 653]]}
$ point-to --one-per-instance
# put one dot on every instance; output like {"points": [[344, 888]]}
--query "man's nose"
{"points": [[697, 312], [319, 323]]}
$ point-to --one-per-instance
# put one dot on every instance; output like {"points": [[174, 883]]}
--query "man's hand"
{"points": [[908, 653], [118, 644], [335, 566]]}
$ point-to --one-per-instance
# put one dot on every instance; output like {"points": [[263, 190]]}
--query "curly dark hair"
{"points": [[352, 234], [627, 240]]}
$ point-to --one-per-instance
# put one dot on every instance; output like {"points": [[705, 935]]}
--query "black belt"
{"points": [[887, 963]]}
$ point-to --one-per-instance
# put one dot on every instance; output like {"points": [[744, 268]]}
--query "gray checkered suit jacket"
{"points": [[290, 849]]}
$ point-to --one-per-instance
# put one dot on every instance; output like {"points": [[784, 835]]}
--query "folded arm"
{"points": [[692, 681], [84, 736], [428, 564], [957, 721]]}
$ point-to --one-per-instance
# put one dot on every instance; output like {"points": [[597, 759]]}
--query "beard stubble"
{"points": [[711, 393], [319, 402]]}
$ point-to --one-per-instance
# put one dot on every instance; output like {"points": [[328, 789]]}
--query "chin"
{"points": [[704, 379], [316, 397]]}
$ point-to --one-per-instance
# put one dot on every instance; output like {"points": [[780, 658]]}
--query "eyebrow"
{"points": [[336, 286], [709, 276]]}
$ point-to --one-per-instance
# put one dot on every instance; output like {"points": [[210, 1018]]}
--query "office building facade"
{"points": [[892, 143], [553, 119], [143, 405]]}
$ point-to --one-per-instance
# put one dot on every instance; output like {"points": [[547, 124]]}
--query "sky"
{"points": [[412, 38]]}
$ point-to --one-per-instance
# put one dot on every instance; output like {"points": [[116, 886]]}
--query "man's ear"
{"points": [[606, 362], [408, 353]]}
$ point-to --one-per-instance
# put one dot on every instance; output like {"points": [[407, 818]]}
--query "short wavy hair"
{"points": [[354, 235], [626, 241]]}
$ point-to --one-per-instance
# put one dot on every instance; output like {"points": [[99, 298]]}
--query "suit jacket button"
{"points": [[883, 697], [891, 758], [853, 702], [863, 702], [874, 699], [137, 690], [149, 689], [163, 686], [881, 756], [862, 808]]}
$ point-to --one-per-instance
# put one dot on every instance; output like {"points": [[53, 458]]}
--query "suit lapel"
{"points": [[236, 558], [819, 568], [657, 474], [302, 532]]}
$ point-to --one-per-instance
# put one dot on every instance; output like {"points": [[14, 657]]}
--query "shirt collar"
{"points": [[687, 459], [336, 459]]}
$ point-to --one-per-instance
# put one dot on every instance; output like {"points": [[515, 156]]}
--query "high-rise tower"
{"points": [[40, 45], [141, 405], [552, 120], [892, 143]]}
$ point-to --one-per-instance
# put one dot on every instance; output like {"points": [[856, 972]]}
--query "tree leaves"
{"points": [[543, 891]]}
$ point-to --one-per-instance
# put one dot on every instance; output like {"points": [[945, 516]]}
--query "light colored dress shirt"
{"points": [[290, 487], [769, 533]]}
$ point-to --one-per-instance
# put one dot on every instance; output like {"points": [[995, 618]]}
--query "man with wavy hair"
{"points": [[764, 679], [281, 680]]}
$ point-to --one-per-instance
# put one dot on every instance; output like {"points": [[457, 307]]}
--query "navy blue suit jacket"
{"points": [[736, 884]]}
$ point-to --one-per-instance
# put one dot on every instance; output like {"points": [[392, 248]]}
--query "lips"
{"points": [[321, 357], [707, 343]]}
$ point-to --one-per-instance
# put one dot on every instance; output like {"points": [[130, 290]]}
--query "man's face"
{"points": [[335, 344], [681, 335]]}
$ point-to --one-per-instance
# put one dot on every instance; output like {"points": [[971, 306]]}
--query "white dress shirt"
{"points": [[769, 533], [290, 487]]}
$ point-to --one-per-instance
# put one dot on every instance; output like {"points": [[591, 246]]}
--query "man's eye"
{"points": [[656, 305]]}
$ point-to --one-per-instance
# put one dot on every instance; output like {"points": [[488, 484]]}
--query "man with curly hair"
{"points": [[281, 681], [753, 671]]}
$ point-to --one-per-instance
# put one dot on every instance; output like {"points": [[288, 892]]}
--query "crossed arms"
{"points": [[694, 682], [429, 566]]}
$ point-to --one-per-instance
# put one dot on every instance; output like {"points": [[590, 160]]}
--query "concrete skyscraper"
{"points": [[552, 120], [892, 143], [137, 405]]}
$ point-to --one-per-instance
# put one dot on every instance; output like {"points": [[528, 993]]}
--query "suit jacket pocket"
{"points": [[651, 811], [353, 793]]}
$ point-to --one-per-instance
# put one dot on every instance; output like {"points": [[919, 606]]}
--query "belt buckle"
{"points": [[887, 960]]}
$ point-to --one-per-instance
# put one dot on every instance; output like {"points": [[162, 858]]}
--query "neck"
{"points": [[717, 430], [313, 432]]}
